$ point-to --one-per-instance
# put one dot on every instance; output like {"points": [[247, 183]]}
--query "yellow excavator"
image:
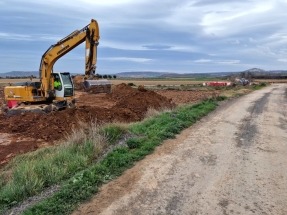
{"points": [[55, 90]]}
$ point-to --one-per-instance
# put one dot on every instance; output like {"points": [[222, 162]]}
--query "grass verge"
{"points": [[259, 86], [146, 136], [29, 174]]}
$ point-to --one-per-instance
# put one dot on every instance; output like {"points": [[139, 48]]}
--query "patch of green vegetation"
{"points": [[259, 86], [31, 173], [147, 135], [113, 132], [221, 98]]}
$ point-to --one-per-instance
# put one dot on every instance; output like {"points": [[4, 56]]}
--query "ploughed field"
{"points": [[30, 131]]}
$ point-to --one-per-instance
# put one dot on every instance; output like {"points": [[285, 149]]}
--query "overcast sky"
{"points": [[184, 36]]}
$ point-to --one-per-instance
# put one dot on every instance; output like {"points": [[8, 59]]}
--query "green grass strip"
{"points": [[149, 134], [35, 171]]}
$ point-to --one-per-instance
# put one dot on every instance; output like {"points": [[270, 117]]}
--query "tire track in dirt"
{"points": [[248, 128]]}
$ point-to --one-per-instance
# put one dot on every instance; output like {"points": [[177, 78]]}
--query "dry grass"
{"points": [[270, 80], [7, 81], [233, 92], [151, 112], [155, 82]]}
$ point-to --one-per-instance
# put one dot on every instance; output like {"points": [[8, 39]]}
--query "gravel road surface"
{"points": [[233, 161]]}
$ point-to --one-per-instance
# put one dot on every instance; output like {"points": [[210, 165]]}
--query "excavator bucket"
{"points": [[97, 86]]}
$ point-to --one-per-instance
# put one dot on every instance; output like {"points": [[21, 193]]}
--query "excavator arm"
{"points": [[90, 34]]}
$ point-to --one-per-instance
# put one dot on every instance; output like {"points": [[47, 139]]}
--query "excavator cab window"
{"points": [[57, 82], [67, 81]]}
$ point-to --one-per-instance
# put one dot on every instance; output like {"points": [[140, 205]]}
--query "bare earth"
{"points": [[231, 162]]}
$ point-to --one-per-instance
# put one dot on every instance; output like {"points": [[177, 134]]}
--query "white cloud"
{"points": [[147, 47], [184, 48], [122, 45], [234, 17], [13, 36], [211, 61], [26, 37], [229, 62], [203, 61], [282, 60], [106, 2], [236, 42], [131, 59], [225, 18], [48, 37]]}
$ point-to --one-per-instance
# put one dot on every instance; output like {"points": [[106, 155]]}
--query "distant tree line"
{"points": [[100, 76], [262, 75], [32, 77], [106, 76], [18, 77], [270, 77]]}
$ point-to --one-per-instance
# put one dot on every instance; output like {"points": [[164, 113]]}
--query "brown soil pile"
{"points": [[130, 105], [78, 82], [184, 97], [138, 100]]}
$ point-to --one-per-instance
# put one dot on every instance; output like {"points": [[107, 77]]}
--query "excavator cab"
{"points": [[63, 85]]}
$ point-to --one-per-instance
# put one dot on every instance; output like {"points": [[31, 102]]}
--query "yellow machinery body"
{"points": [[21, 93]]}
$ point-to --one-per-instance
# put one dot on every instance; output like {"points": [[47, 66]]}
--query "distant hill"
{"points": [[19, 74], [263, 74], [255, 70], [143, 74], [254, 73], [170, 75], [197, 75], [262, 71]]}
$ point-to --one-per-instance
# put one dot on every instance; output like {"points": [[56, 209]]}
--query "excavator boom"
{"points": [[90, 34]]}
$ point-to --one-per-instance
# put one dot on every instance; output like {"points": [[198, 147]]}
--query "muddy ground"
{"points": [[30, 131]]}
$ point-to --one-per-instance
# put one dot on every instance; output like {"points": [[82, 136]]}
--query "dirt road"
{"points": [[232, 162]]}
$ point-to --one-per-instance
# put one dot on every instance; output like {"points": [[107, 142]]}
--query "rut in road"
{"points": [[231, 162]]}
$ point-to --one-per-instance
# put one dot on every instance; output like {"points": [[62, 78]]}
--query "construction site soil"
{"points": [[30, 131]]}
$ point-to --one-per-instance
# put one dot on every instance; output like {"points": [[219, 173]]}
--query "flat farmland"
{"points": [[148, 82], [4, 82], [155, 82], [271, 80]]}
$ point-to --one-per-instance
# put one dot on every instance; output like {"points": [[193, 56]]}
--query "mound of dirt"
{"points": [[185, 97], [56, 125], [78, 82], [138, 100], [129, 105]]}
